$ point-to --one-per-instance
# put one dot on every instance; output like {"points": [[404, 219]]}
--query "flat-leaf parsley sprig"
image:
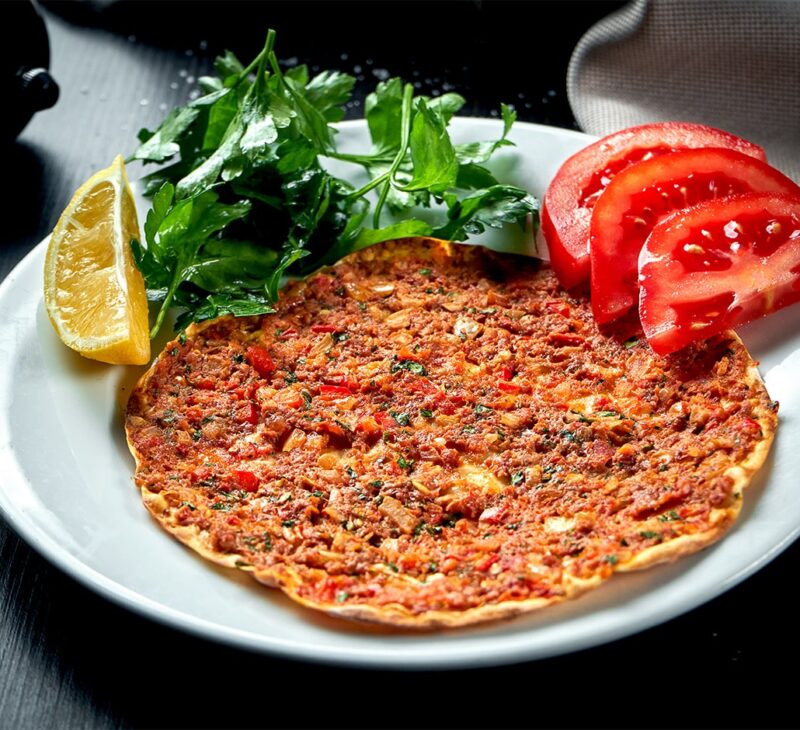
{"points": [[241, 196]]}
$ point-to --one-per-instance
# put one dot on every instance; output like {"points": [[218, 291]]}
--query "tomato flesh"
{"points": [[717, 265], [639, 197], [601, 179], [580, 181]]}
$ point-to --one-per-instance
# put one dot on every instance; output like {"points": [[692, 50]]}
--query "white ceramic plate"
{"points": [[65, 486]]}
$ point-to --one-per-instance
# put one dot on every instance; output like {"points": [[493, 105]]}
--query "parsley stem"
{"points": [[405, 133], [386, 177], [276, 67], [269, 43], [167, 303], [359, 159], [361, 192]]}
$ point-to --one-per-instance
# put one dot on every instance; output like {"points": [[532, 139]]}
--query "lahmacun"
{"points": [[431, 435]]}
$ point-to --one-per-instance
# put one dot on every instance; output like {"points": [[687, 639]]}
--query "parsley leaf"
{"points": [[329, 92], [480, 152], [382, 111], [492, 207], [400, 418], [161, 145], [432, 153], [411, 365], [241, 194]]}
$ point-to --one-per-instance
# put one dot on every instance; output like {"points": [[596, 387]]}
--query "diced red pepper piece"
{"points": [[290, 398], [384, 419], [287, 333], [248, 413], [331, 588], [558, 307], [199, 474], [369, 426], [507, 387], [260, 359], [506, 373], [320, 328], [487, 562], [418, 384], [334, 391], [450, 403], [339, 379], [447, 408], [751, 424], [246, 480]]}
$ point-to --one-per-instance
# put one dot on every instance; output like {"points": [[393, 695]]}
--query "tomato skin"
{"points": [[569, 199], [567, 247], [749, 266], [638, 197]]}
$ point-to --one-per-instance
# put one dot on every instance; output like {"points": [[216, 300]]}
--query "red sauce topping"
{"points": [[465, 435]]}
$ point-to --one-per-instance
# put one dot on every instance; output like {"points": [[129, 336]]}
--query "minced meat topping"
{"points": [[440, 428]]}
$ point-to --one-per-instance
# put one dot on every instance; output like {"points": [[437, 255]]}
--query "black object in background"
{"points": [[25, 82]]}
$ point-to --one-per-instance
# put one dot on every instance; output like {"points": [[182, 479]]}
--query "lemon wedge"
{"points": [[94, 294]]}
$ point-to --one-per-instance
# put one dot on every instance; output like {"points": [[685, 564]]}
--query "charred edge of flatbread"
{"points": [[290, 581], [141, 385], [190, 535], [398, 616], [741, 475]]}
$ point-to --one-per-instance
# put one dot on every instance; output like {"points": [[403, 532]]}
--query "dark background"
{"points": [[71, 659]]}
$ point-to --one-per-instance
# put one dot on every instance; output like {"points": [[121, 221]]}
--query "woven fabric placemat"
{"points": [[727, 63]]}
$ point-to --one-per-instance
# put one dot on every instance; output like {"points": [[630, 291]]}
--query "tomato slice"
{"points": [[576, 187], [639, 197], [717, 265]]}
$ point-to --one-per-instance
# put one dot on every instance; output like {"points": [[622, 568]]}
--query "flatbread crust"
{"points": [[623, 415]]}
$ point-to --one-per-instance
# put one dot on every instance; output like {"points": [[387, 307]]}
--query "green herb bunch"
{"points": [[245, 197]]}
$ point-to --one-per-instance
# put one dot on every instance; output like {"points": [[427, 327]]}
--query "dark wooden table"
{"points": [[69, 658]]}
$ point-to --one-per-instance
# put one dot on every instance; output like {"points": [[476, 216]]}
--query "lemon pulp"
{"points": [[94, 294]]}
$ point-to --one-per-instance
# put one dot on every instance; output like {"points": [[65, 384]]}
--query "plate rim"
{"points": [[512, 651]]}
